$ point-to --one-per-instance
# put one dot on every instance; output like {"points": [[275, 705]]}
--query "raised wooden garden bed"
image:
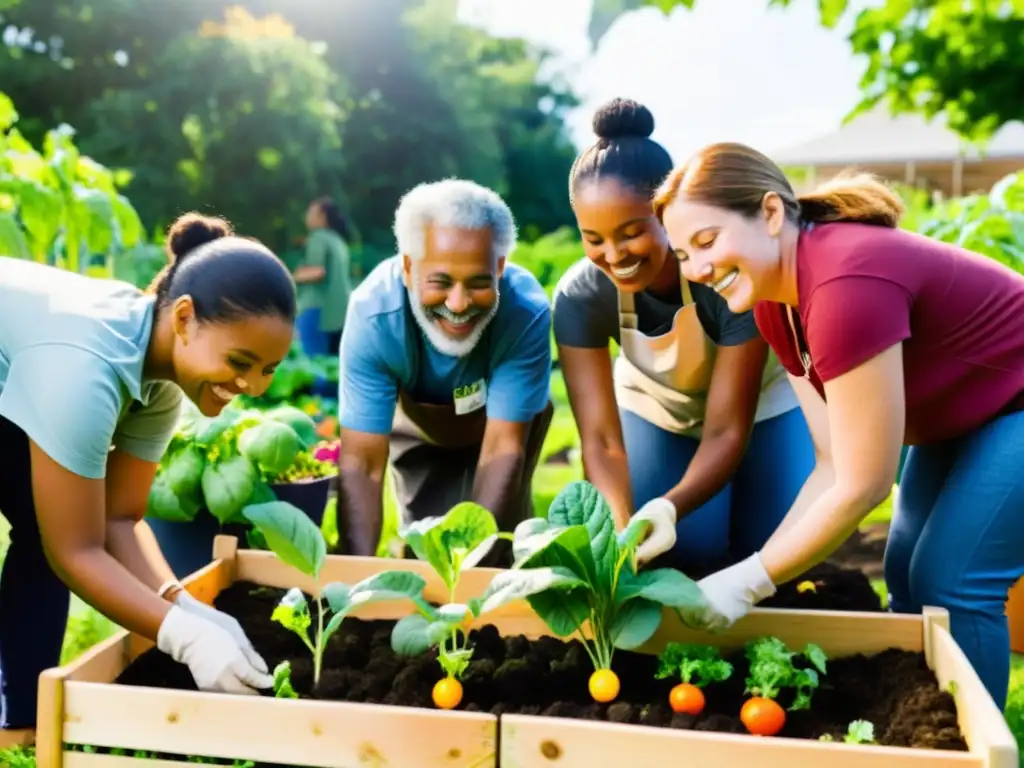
{"points": [[124, 695]]}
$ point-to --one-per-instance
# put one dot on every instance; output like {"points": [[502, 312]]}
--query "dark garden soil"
{"points": [[894, 689]]}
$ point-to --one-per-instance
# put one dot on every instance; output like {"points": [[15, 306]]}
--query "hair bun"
{"points": [[192, 230], [622, 118]]}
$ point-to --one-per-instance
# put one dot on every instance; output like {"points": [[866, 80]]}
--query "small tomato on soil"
{"points": [[686, 698], [447, 693], [762, 717], [604, 685]]}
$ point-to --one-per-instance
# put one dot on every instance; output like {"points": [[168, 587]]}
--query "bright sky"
{"points": [[728, 70]]}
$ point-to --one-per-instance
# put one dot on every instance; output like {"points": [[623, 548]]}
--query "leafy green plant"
{"points": [[771, 670], [578, 576], [57, 205], [450, 544], [990, 224], [229, 461], [298, 542], [858, 732], [696, 666]]}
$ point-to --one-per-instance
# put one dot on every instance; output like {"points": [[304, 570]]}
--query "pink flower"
{"points": [[328, 452]]}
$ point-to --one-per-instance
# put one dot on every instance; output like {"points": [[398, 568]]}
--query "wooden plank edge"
{"points": [[22, 737], [530, 741], [166, 724], [92, 760], [984, 727]]}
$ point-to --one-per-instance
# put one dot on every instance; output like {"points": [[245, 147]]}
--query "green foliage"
{"points": [[573, 569], [773, 667], [227, 462], [297, 541], [450, 544], [990, 224], [691, 663], [362, 102], [58, 205]]}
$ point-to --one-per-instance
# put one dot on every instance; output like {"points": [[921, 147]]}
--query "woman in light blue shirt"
{"points": [[92, 373]]}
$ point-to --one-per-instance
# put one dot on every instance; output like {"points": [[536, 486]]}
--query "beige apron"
{"points": [[434, 453], [665, 379]]}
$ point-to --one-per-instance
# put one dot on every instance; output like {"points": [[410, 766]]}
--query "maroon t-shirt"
{"points": [[960, 316]]}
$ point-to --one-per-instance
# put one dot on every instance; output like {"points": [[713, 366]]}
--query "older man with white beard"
{"points": [[445, 369]]}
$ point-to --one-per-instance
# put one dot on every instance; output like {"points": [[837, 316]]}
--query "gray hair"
{"points": [[452, 203]]}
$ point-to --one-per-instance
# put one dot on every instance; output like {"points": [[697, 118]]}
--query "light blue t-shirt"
{"points": [[384, 350], [72, 350]]}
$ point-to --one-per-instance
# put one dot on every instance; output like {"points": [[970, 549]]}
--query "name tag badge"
{"points": [[471, 397]]}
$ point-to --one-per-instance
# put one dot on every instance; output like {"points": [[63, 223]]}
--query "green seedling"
{"points": [[451, 543], [297, 541], [771, 670], [577, 575], [858, 732], [283, 681], [696, 666]]}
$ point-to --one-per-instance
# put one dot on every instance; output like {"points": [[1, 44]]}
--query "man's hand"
{"points": [[189, 604]]}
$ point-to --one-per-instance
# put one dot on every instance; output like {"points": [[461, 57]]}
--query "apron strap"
{"points": [[684, 285], [627, 311]]}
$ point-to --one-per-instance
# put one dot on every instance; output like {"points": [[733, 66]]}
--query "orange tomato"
{"points": [[686, 698], [604, 685], [762, 717], [447, 693]]}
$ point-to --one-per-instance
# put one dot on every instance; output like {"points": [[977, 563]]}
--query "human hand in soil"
{"points": [[210, 652], [186, 602], [730, 593], [661, 514]]}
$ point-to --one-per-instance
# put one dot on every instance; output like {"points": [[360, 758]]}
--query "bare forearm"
{"points": [[822, 478], [829, 520], [101, 581], [133, 545], [497, 484], [607, 470], [714, 463], [360, 511]]}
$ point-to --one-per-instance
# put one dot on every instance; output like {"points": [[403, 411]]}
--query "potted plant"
{"points": [[215, 467]]}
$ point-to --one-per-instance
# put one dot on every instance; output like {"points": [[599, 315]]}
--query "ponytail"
{"points": [[853, 197]]}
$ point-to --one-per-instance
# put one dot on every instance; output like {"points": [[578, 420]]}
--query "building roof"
{"points": [[878, 137]]}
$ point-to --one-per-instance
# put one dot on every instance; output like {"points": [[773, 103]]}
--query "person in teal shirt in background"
{"points": [[324, 279], [445, 369], [92, 374]]}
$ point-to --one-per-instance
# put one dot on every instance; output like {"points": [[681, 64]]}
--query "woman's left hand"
{"points": [[186, 602], [730, 593]]}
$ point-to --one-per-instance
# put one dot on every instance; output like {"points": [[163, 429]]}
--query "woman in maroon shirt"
{"points": [[889, 338]]}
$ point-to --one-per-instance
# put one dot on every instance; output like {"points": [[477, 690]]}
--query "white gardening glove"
{"points": [[730, 593], [210, 653], [186, 602], [661, 514]]}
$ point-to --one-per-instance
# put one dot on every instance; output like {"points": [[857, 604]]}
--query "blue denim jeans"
{"points": [[317, 342], [34, 602], [957, 540], [740, 518]]}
